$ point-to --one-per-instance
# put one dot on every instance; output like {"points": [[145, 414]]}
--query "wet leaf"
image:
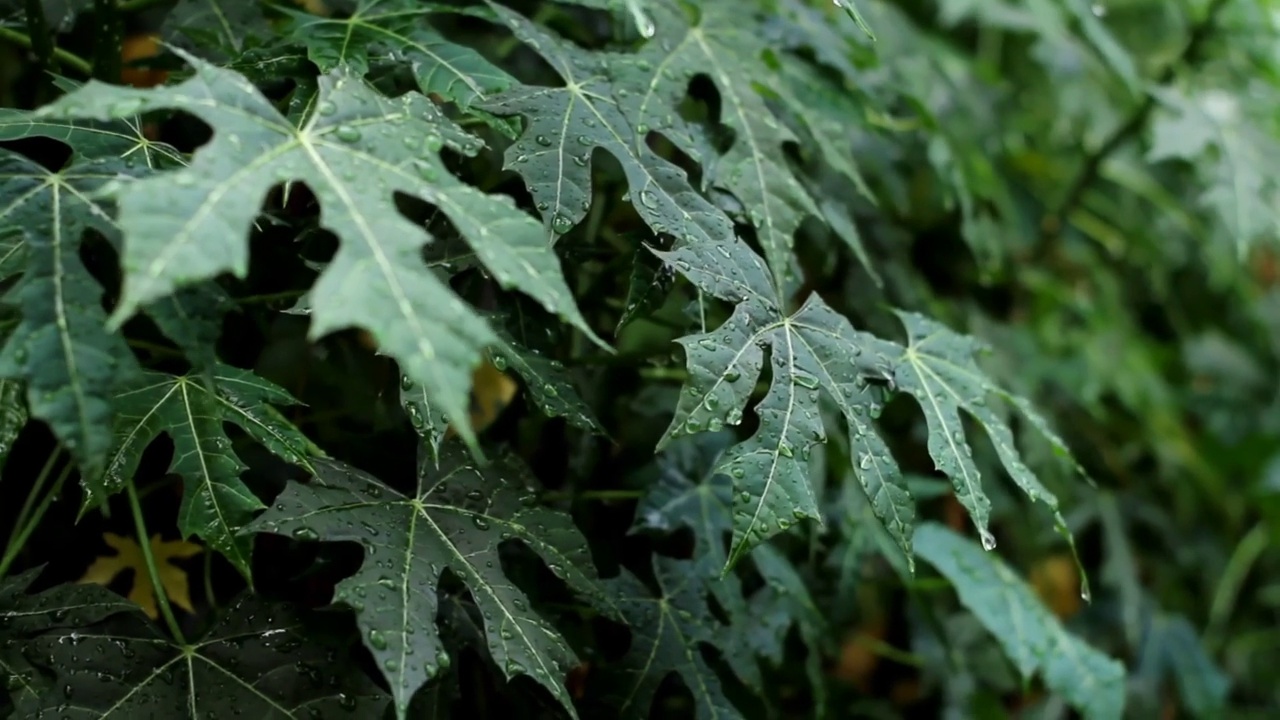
{"points": [[454, 521], [192, 224], [258, 661], [191, 410], [1030, 635]]}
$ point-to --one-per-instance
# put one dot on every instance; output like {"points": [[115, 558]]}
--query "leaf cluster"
{"points": [[626, 358]]}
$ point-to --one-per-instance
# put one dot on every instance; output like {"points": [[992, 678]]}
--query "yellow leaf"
{"points": [[491, 392], [315, 7], [129, 557], [1057, 583]]}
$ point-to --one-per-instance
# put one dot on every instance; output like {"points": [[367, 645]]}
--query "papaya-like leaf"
{"points": [[356, 150], [258, 660], [191, 410], [454, 520]]}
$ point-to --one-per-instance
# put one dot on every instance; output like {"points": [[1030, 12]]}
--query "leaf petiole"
{"points": [[20, 538], [153, 571]]}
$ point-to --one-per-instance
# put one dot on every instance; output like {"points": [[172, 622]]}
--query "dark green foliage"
{"points": [[641, 358]]}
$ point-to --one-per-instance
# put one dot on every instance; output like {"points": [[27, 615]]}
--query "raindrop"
{"points": [[643, 22], [326, 108], [425, 170], [347, 134], [988, 541], [378, 640], [543, 140], [306, 534], [480, 523]]}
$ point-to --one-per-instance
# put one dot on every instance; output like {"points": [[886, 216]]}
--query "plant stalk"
{"points": [[70, 60], [153, 570], [16, 545]]}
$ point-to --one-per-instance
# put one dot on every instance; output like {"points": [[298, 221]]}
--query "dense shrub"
{"points": [[631, 358]]}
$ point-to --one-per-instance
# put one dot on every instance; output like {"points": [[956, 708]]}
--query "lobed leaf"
{"points": [[70, 363], [191, 410], [937, 369], [453, 521], [666, 632], [1239, 189], [355, 152], [398, 28], [258, 661], [24, 616]]}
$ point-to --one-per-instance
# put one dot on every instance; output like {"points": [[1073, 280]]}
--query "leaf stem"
{"points": [[1224, 598], [593, 495], [107, 41], [885, 650], [153, 571], [41, 42], [71, 60], [31, 495], [132, 6], [209, 595], [16, 544]]}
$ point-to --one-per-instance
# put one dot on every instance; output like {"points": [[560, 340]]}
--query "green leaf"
{"points": [[355, 152], [1239, 189], [666, 632], [810, 349], [13, 416], [814, 348], [684, 490], [546, 380], [454, 520], [123, 138], [725, 43], [258, 661], [191, 409], [785, 597], [61, 349], [221, 28], [937, 369], [565, 125], [24, 616], [398, 28], [1173, 647], [650, 282], [1029, 634], [192, 318]]}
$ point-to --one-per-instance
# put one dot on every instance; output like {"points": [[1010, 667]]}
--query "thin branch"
{"points": [[71, 60], [153, 570], [1088, 173], [41, 39]]}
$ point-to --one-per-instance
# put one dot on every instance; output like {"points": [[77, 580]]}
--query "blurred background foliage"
{"points": [[1089, 187]]}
